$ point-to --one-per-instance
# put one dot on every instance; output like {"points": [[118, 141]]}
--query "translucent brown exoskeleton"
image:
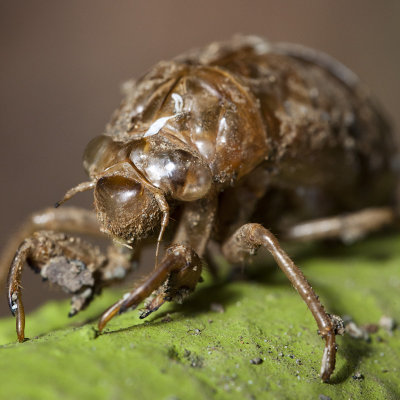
{"points": [[225, 144]]}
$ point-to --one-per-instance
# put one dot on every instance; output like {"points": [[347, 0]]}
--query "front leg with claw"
{"points": [[246, 240], [176, 276], [76, 266]]}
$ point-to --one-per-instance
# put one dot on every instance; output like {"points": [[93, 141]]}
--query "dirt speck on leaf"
{"points": [[256, 361], [358, 376]]}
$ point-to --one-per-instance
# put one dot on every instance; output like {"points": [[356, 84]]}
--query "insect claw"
{"points": [[153, 306], [108, 314], [147, 312], [20, 323]]}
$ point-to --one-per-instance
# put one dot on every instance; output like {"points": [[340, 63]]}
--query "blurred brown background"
{"points": [[62, 63]]}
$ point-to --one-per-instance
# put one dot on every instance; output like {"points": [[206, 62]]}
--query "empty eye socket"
{"points": [[184, 176]]}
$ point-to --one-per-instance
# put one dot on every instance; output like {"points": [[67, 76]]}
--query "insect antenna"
{"points": [[82, 187], [164, 207]]}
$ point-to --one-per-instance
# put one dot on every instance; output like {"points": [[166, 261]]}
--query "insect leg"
{"points": [[65, 219], [72, 263], [181, 266], [348, 227], [246, 240], [70, 220], [196, 223], [179, 271]]}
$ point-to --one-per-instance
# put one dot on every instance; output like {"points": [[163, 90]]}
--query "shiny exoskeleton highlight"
{"points": [[218, 145]]}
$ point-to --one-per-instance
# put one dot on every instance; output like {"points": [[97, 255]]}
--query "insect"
{"points": [[228, 144]]}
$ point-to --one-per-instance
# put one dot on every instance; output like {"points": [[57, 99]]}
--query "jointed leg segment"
{"points": [[69, 262], [246, 240], [348, 227], [176, 276], [66, 219], [80, 268], [76, 266]]}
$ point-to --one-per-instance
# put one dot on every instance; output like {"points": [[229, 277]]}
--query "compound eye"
{"points": [[100, 153], [181, 174], [117, 195], [125, 208]]}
